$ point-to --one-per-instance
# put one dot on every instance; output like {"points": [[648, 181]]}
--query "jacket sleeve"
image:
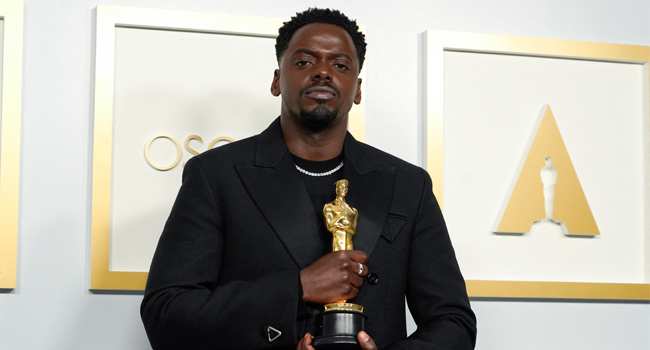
{"points": [[183, 306], [435, 291]]}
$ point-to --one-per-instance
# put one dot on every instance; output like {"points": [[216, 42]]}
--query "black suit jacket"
{"points": [[227, 266]]}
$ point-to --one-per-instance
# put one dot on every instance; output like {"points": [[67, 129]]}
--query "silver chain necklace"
{"points": [[320, 174]]}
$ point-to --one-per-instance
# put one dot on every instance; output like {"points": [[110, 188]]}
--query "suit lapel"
{"points": [[275, 186], [370, 191]]}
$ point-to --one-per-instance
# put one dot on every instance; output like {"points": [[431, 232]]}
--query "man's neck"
{"points": [[318, 146]]}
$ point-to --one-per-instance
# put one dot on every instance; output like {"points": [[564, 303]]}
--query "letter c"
{"points": [[220, 138]]}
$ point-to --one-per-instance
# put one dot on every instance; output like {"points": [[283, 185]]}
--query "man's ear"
{"points": [[357, 96], [275, 84]]}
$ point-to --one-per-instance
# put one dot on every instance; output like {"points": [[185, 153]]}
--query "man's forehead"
{"points": [[315, 33]]}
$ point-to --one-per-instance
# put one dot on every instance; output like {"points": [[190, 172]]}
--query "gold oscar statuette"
{"points": [[340, 322]]}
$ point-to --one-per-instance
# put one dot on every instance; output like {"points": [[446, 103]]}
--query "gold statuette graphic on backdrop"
{"points": [[547, 195], [338, 325]]}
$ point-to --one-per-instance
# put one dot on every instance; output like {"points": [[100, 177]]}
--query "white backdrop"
{"points": [[51, 308]]}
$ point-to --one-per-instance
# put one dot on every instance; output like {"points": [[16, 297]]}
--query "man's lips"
{"points": [[321, 92]]}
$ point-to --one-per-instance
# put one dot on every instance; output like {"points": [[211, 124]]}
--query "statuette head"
{"points": [[341, 188]]}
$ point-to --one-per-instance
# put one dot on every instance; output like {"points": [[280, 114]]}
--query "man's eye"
{"points": [[340, 66], [303, 63]]}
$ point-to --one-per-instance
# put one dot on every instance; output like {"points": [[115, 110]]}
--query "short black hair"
{"points": [[316, 15]]}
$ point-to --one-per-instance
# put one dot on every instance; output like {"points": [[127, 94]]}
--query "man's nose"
{"points": [[321, 72]]}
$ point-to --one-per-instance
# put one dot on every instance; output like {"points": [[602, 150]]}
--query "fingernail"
{"points": [[363, 336]]}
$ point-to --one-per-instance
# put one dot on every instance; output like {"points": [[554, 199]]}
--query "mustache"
{"points": [[319, 84]]}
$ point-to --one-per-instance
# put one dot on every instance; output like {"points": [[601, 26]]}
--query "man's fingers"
{"points": [[305, 342], [361, 269], [335, 276], [353, 261], [358, 266], [351, 293], [357, 280], [365, 341], [357, 255], [299, 347]]}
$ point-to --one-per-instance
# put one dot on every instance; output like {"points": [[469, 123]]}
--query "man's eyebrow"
{"points": [[307, 51], [315, 53], [341, 54]]}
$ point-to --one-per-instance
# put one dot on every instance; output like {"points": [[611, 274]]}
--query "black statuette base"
{"points": [[338, 329]]}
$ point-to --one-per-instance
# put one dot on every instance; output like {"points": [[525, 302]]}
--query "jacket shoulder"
{"points": [[238, 152]]}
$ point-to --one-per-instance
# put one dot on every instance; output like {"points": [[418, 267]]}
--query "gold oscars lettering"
{"points": [[179, 150]]}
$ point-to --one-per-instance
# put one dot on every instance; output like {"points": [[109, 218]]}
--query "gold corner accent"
{"points": [[11, 12]]}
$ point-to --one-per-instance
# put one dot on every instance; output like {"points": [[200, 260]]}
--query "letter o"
{"points": [[165, 136]]}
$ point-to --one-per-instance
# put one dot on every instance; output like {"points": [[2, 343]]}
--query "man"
{"points": [[245, 260]]}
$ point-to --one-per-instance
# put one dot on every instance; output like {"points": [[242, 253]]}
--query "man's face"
{"points": [[318, 76]]}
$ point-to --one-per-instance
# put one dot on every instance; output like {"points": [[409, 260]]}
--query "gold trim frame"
{"points": [[436, 43], [108, 18], [11, 12]]}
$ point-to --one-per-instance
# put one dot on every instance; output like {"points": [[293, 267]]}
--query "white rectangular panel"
{"points": [[491, 104], [178, 83]]}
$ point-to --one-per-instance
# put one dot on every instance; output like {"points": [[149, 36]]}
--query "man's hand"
{"points": [[333, 277], [364, 340]]}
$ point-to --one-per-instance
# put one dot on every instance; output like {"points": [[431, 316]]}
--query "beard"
{"points": [[318, 118]]}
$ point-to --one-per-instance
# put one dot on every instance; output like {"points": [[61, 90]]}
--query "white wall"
{"points": [[51, 308]]}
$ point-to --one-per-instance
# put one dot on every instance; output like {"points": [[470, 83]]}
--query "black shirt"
{"points": [[321, 190]]}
